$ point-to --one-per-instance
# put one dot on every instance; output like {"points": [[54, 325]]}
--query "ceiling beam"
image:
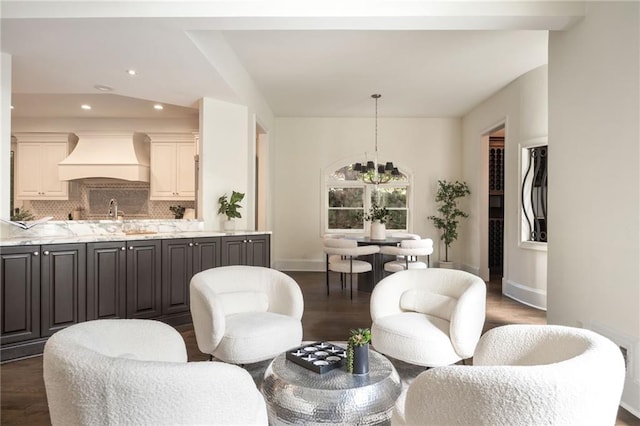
{"points": [[327, 14]]}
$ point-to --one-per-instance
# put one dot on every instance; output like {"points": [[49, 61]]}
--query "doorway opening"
{"points": [[496, 202]]}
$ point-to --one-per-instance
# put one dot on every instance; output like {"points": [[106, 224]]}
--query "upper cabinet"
{"points": [[38, 155], [172, 166]]}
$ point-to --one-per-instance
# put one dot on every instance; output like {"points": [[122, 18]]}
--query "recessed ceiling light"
{"points": [[11, 106], [103, 88], [85, 107], [131, 72], [158, 107]]}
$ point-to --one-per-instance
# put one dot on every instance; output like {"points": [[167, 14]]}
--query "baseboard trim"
{"points": [[633, 410], [471, 269], [631, 394], [526, 295], [176, 319], [22, 350]]}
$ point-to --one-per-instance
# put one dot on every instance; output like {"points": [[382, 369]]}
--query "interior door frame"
{"points": [[483, 201]]}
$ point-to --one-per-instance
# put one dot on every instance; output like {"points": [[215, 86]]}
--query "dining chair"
{"points": [[336, 257], [348, 250], [407, 255], [406, 236]]}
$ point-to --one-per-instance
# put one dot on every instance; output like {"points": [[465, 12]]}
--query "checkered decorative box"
{"points": [[318, 356]]}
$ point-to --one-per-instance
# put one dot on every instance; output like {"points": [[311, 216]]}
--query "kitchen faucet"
{"points": [[113, 209]]}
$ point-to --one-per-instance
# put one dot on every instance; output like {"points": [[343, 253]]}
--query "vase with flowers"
{"points": [[378, 216]]}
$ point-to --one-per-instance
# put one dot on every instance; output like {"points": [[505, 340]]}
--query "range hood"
{"points": [[108, 155]]}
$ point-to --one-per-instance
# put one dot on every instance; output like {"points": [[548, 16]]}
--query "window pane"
{"points": [[397, 219], [345, 173], [391, 197], [346, 197], [345, 219]]}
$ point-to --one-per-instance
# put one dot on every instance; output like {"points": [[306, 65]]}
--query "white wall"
{"points": [[5, 134], [303, 147], [594, 194], [522, 106], [224, 142]]}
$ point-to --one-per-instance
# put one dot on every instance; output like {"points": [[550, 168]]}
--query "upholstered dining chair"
{"points": [[335, 257], [406, 235], [522, 375], [407, 254], [428, 317], [245, 314], [348, 250], [133, 371]]}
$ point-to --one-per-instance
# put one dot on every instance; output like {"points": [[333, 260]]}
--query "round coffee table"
{"points": [[295, 395]]}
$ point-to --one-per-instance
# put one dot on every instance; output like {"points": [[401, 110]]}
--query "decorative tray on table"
{"points": [[318, 356]]}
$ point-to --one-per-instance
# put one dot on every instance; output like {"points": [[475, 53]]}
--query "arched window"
{"points": [[346, 195]]}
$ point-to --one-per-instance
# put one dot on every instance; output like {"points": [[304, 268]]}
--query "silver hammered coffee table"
{"points": [[295, 395]]}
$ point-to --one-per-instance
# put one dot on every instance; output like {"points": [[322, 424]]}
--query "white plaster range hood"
{"points": [[108, 155]]}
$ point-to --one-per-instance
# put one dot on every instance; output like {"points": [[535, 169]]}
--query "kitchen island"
{"points": [[64, 272]]}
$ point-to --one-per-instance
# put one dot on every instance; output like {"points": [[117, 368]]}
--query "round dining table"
{"points": [[371, 278]]}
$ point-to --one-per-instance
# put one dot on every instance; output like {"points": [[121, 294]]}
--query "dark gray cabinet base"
{"points": [[252, 250], [49, 287]]}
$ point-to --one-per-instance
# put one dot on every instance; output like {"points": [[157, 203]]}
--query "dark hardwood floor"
{"points": [[325, 317]]}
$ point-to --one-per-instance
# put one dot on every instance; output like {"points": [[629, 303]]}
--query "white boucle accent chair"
{"points": [[522, 375], [428, 317], [245, 314], [135, 372]]}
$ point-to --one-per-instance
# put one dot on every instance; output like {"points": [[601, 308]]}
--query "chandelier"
{"points": [[371, 171]]}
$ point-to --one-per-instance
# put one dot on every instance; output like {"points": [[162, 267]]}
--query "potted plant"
{"points": [[378, 216], [178, 211], [229, 207], [447, 197], [21, 215], [358, 351]]}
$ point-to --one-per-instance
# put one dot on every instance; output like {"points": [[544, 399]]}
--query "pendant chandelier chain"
{"points": [[370, 171], [376, 97]]}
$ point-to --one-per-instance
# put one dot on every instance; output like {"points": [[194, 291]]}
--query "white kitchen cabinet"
{"points": [[172, 167], [38, 155]]}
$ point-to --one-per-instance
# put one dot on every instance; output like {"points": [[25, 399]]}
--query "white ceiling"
{"points": [[419, 73], [301, 65]]}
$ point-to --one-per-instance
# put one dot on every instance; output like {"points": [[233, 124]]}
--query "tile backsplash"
{"points": [[133, 200]]}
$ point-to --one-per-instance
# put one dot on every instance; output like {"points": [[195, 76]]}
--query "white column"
{"points": [[594, 180], [224, 159], [5, 134]]}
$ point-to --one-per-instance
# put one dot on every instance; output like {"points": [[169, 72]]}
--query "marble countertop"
{"points": [[65, 232]]}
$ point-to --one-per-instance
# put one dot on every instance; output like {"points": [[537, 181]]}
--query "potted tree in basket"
{"points": [[229, 208], [447, 197], [378, 216]]}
